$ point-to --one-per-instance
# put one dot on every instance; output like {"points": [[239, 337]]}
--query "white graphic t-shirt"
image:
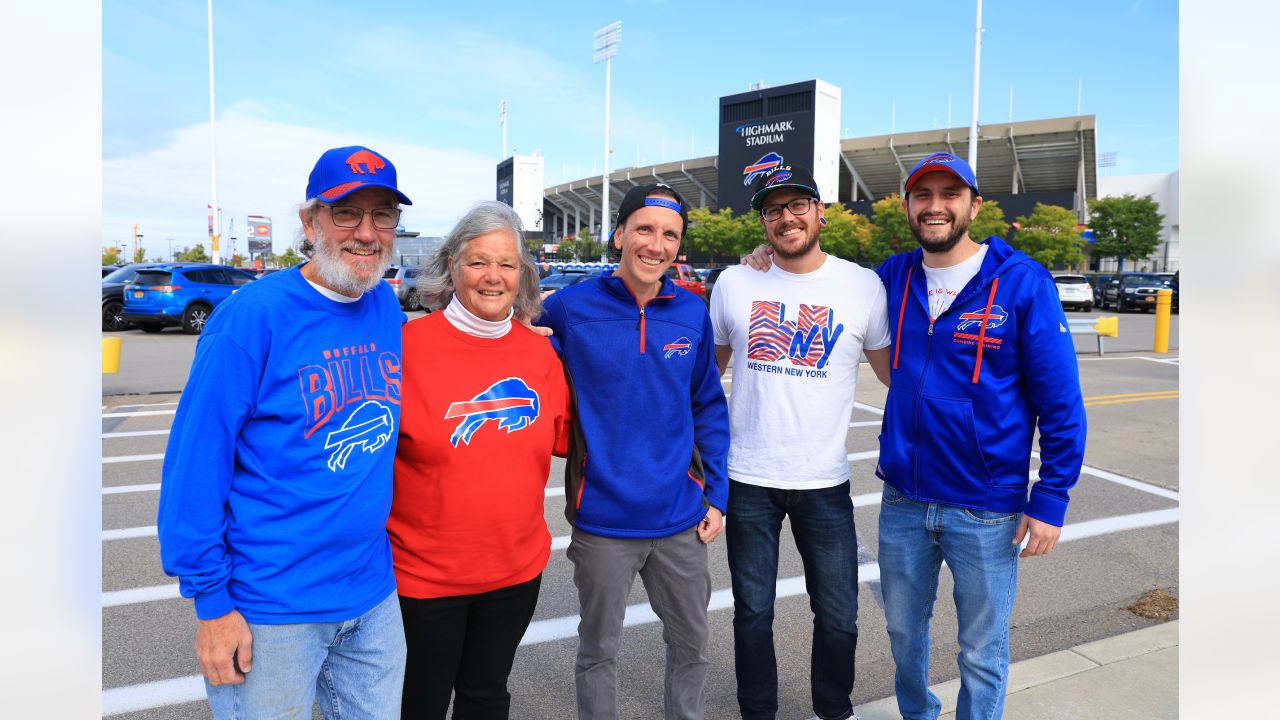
{"points": [[796, 341], [946, 283]]}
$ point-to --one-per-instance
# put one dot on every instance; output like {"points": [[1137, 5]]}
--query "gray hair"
{"points": [[305, 245], [436, 283]]}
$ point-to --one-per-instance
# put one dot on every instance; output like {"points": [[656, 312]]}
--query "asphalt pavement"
{"points": [[1078, 650]]}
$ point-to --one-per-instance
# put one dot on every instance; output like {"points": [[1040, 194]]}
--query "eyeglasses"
{"points": [[349, 216], [799, 206]]}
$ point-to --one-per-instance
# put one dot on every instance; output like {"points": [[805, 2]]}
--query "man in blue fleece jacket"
{"points": [[641, 356], [277, 477], [980, 358]]}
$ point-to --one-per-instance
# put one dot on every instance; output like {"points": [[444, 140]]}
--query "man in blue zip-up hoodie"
{"points": [[980, 358], [641, 356]]}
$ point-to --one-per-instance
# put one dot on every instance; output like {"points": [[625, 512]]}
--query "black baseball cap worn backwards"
{"points": [[783, 176], [637, 197]]}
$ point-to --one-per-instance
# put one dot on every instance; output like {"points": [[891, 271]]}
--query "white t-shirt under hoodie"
{"points": [[796, 341]]}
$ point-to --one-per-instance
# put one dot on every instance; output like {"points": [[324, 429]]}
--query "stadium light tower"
{"points": [[606, 46], [977, 62]]}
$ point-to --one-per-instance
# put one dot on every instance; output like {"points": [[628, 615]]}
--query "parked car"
{"points": [[404, 280], [113, 293], [108, 269], [1132, 291], [710, 281], [685, 277], [180, 295], [1074, 292], [1098, 281], [565, 278]]}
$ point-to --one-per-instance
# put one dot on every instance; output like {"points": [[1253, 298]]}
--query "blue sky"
{"points": [[421, 83]]}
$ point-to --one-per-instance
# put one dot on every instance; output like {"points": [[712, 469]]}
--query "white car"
{"points": [[1074, 292]]}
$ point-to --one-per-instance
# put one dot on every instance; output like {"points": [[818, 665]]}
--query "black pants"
{"points": [[464, 646]]}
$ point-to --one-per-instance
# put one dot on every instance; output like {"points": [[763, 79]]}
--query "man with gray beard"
{"points": [[277, 479]]}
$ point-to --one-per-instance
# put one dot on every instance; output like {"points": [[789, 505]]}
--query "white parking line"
{"points": [[146, 696], [144, 413], [134, 433], [869, 408], [1120, 480], [131, 458], [127, 533], [867, 423], [134, 596], [121, 489], [159, 404]]}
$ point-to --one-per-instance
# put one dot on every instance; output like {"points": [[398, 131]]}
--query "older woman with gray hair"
{"points": [[484, 406]]}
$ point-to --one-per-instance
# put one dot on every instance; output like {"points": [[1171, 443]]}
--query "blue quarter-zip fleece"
{"points": [[969, 389], [647, 391]]}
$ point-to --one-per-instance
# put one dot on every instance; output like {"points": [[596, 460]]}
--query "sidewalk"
{"points": [[1134, 675]]}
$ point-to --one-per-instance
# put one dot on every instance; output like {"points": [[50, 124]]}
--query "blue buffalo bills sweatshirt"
{"points": [[647, 392], [277, 478], [969, 389]]}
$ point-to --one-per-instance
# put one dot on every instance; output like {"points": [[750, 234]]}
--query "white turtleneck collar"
{"points": [[463, 319]]}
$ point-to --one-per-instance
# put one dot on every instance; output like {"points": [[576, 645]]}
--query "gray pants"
{"points": [[675, 575]]}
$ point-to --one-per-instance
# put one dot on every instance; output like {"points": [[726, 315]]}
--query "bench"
{"points": [[1102, 327]]}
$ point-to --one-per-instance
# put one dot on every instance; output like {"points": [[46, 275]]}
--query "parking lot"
{"points": [[1121, 540]]}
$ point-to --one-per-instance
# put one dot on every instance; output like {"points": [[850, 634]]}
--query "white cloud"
{"points": [[262, 170]]}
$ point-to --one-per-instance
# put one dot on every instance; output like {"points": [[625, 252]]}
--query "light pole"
{"points": [[170, 241], [213, 155], [973, 125], [606, 46]]}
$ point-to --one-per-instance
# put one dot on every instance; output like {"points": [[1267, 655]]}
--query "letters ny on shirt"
{"points": [[353, 387], [806, 341]]}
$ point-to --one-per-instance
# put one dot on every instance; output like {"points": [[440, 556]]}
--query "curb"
{"points": [[1126, 676]]}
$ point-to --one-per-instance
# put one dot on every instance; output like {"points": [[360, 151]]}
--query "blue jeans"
{"points": [[354, 668], [977, 545], [822, 524]]}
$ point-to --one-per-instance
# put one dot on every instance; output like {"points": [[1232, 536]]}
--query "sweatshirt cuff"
{"points": [[214, 604], [1046, 508]]}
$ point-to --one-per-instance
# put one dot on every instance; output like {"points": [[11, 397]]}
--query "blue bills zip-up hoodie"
{"points": [[969, 389], [646, 394]]}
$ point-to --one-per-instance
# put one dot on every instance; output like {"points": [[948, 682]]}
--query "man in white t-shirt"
{"points": [[798, 331]]}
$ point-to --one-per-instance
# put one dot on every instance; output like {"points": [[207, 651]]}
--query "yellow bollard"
{"points": [[1164, 301], [110, 354]]}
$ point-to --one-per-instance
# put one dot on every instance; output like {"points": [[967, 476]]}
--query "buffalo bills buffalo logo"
{"points": [[368, 427], [971, 320], [767, 162], [679, 347], [511, 402]]}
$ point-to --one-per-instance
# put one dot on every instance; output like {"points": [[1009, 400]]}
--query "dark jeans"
{"points": [[822, 524], [464, 646]]}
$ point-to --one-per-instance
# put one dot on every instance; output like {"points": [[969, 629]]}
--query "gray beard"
{"points": [[337, 275]]}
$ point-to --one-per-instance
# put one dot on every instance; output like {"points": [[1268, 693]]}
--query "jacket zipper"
{"points": [[915, 422], [640, 327]]}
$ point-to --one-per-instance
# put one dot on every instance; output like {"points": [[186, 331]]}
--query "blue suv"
{"points": [[179, 295]]}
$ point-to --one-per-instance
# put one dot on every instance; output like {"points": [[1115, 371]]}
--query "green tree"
{"points": [[1049, 236], [195, 254], [1126, 226], [891, 233], [750, 232], [990, 221], [847, 233], [110, 256], [713, 234], [140, 255], [289, 258]]}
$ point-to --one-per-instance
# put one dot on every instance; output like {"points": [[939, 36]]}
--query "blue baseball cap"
{"points": [[942, 162], [341, 171]]}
